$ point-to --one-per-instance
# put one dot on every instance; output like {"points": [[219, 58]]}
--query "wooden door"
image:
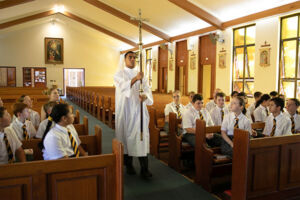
{"points": [[11, 77], [181, 69], [207, 57], [163, 69]]}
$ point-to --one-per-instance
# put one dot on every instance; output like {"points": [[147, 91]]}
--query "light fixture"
{"points": [[59, 8]]}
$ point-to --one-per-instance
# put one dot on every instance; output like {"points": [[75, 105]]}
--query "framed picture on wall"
{"points": [[222, 60], [264, 57], [54, 50]]}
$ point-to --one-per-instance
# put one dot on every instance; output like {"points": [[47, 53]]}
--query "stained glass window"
{"points": [[289, 72], [244, 59]]}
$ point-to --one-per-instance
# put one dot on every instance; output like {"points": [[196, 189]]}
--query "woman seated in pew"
{"points": [[175, 107], [10, 145], [190, 104], [53, 96], [189, 118], [43, 125], [292, 106], [261, 111], [277, 124], [21, 126], [34, 116], [218, 113], [62, 140], [235, 119]]}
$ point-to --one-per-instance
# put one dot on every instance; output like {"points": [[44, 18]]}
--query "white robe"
{"points": [[128, 115]]}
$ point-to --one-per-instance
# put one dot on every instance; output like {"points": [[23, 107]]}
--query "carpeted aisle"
{"points": [[166, 183]]}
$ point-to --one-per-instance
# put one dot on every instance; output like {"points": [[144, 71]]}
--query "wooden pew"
{"points": [[210, 170], [76, 117], [21, 90], [265, 168], [111, 113], [178, 150], [91, 177], [82, 129]]}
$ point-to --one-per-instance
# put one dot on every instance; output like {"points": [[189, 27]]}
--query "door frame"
{"points": [[7, 74], [160, 71], [64, 78], [186, 70]]}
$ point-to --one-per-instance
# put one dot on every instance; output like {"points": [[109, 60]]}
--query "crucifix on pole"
{"points": [[140, 21]]}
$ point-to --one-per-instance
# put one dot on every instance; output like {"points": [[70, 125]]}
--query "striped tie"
{"points": [[267, 112], [273, 128], [200, 115], [9, 151], [73, 144], [236, 124], [222, 115], [293, 125], [178, 112], [25, 133]]}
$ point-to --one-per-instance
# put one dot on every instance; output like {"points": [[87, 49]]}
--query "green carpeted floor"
{"points": [[166, 183]]}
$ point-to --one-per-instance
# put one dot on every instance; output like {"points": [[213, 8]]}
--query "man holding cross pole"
{"points": [[128, 114]]}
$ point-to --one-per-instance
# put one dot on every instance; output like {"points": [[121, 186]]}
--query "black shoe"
{"points": [[145, 173], [128, 163]]}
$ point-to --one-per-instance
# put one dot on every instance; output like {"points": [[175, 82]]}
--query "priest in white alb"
{"points": [[128, 114]]}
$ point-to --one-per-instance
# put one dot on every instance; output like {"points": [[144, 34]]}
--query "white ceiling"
{"points": [[163, 15]]}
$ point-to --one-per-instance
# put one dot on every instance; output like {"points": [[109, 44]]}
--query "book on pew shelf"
{"points": [[220, 156]]}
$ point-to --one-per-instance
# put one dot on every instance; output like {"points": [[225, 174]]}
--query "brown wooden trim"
{"points": [[249, 18], [198, 12], [98, 28], [10, 3], [26, 19], [145, 46], [126, 18]]}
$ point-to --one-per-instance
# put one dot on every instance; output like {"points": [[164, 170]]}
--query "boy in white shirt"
{"points": [[235, 119], [34, 116], [10, 145], [277, 124], [189, 123], [257, 96], [42, 127], [212, 103], [261, 111], [292, 106], [22, 127], [175, 107], [190, 104], [217, 114]]}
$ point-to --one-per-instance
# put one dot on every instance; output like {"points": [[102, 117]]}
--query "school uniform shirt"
{"points": [[210, 105], [34, 117], [16, 125], [216, 115], [42, 127], [260, 114], [248, 115], [171, 107], [14, 143], [296, 118], [229, 122], [190, 116], [283, 125], [57, 143], [251, 108], [187, 106]]}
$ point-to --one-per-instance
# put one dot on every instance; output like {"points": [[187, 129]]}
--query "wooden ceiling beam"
{"points": [[98, 28], [10, 3], [127, 18], [198, 12]]}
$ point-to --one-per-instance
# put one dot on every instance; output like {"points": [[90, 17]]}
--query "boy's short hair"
{"points": [[273, 94], [18, 108], [21, 99], [278, 102], [2, 110], [296, 101], [242, 94], [128, 52], [234, 93], [257, 94], [197, 97], [220, 94]]}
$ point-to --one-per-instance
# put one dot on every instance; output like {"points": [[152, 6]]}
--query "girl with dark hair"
{"points": [[235, 119], [62, 140], [261, 111]]}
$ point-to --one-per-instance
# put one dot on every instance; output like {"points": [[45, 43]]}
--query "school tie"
{"points": [[179, 116], [273, 128], [25, 133], [200, 115], [73, 144], [267, 111], [236, 124], [222, 115], [293, 125], [9, 151]]}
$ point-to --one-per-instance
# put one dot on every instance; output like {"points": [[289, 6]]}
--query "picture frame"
{"points": [[193, 61], [264, 57], [54, 50], [222, 60]]}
